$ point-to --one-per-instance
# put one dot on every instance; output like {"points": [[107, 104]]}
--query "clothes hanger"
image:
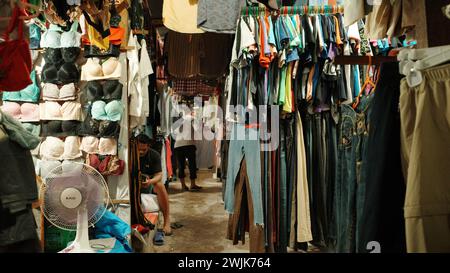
{"points": [[368, 81], [412, 61], [23, 5]]}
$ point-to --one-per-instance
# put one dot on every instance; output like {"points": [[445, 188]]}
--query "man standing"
{"points": [[150, 166]]}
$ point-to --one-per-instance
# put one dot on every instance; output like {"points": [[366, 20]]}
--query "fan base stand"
{"points": [[81, 242]]}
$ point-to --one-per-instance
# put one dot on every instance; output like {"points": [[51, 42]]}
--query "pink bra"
{"points": [[52, 110], [27, 112]]}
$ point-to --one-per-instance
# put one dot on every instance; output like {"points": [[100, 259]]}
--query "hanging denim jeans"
{"points": [[245, 142], [350, 188]]}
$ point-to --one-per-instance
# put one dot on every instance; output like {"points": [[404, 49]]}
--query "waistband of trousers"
{"points": [[438, 73]]}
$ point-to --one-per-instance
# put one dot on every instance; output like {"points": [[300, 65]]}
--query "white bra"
{"points": [[53, 148], [102, 146], [51, 92], [52, 110]]}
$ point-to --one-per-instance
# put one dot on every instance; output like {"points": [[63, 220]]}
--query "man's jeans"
{"points": [[245, 142], [350, 188]]}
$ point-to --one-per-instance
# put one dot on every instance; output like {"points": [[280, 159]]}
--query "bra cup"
{"points": [[52, 110], [12, 108], [114, 110], [53, 56], [70, 127], [90, 127], [12, 96], [30, 112], [72, 148], [50, 91], [68, 91], [68, 73], [31, 93], [70, 54], [89, 144], [107, 146], [109, 129], [52, 148], [111, 66], [93, 68], [72, 37], [71, 110], [94, 91], [52, 128], [94, 161], [98, 110], [50, 73], [52, 37], [112, 90]]}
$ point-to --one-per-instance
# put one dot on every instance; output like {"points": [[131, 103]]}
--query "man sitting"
{"points": [[150, 166]]}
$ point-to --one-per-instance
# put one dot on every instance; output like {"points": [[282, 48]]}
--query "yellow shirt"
{"points": [[181, 15]]}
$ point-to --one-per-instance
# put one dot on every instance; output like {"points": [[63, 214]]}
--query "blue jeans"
{"points": [[245, 142], [350, 187]]}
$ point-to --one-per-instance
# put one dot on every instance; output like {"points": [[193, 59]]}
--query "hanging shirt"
{"points": [[181, 15], [218, 15], [355, 10]]}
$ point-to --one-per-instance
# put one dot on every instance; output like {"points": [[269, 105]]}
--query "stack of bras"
{"points": [[61, 52]]}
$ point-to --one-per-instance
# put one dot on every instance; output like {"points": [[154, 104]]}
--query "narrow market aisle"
{"points": [[203, 217]]}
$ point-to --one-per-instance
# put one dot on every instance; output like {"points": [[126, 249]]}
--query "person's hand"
{"points": [[145, 184]]}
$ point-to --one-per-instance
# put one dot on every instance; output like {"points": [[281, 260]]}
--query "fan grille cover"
{"points": [[87, 180]]}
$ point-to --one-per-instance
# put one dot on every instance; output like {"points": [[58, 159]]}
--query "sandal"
{"points": [[159, 238], [196, 188], [185, 188]]}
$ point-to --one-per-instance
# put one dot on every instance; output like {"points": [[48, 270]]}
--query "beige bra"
{"points": [[53, 93], [93, 69], [52, 110], [53, 148], [102, 146]]}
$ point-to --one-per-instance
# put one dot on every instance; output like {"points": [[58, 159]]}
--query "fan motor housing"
{"points": [[71, 198]]}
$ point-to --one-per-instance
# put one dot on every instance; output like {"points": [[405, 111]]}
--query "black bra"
{"points": [[109, 90], [60, 128], [104, 128], [56, 55], [60, 73]]}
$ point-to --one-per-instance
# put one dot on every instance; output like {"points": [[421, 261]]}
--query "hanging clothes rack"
{"points": [[286, 10], [364, 60]]}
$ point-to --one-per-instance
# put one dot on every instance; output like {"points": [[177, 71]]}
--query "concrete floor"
{"points": [[203, 217]]}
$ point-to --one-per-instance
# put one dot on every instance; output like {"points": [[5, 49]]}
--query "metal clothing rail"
{"points": [[324, 9]]}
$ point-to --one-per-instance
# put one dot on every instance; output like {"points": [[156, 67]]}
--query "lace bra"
{"points": [[53, 38], [30, 94], [111, 111], [52, 110], [93, 70], [110, 90], [27, 112], [51, 92], [60, 73], [102, 146], [58, 56], [103, 128], [53, 148]]}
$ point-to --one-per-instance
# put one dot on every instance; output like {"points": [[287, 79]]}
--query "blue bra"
{"points": [[53, 38], [111, 111], [31, 93]]}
